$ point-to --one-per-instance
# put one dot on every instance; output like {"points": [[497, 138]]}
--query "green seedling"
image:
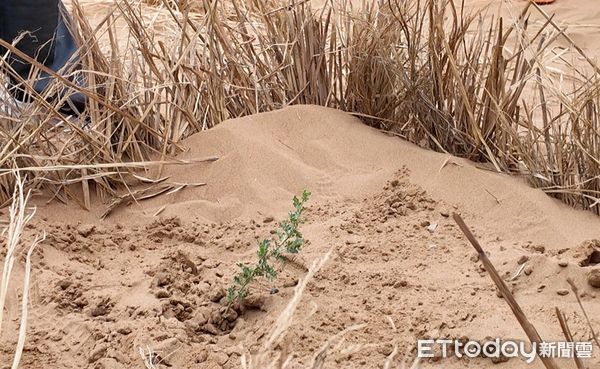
{"points": [[288, 240]]}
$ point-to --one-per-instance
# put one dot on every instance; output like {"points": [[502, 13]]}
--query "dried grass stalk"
{"points": [[19, 216], [421, 69]]}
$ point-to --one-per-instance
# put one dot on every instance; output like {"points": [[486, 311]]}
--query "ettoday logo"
{"points": [[496, 348]]}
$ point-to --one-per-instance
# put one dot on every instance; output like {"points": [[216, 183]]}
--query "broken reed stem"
{"points": [[25, 304], [262, 360], [568, 336], [567, 37], [321, 355], [529, 329], [19, 216], [140, 164], [589, 323]]}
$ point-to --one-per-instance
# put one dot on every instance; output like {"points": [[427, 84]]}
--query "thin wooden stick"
{"points": [[567, 332], [576, 293], [529, 329]]}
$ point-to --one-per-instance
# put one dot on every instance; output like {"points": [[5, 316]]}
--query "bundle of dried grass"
{"points": [[19, 216], [422, 69]]}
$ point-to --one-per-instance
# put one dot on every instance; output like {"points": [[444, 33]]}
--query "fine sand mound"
{"points": [[399, 265]]}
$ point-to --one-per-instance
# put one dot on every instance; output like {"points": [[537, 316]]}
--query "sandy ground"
{"points": [[102, 290]]}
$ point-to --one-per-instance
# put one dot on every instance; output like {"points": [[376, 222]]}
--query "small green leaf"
{"points": [[288, 238]]}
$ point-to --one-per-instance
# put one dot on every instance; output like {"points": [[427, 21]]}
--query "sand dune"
{"points": [[152, 274], [266, 158], [374, 196]]}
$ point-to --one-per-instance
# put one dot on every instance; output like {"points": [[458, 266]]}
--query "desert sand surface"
{"points": [[152, 275], [104, 289]]}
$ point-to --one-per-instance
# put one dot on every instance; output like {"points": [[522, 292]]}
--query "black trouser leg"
{"points": [[36, 20], [47, 39]]}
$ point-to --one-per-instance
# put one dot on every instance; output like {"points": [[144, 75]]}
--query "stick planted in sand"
{"points": [[514, 306], [587, 318], [562, 319]]}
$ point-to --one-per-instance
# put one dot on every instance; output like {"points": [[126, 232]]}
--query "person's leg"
{"points": [[43, 26], [36, 20]]}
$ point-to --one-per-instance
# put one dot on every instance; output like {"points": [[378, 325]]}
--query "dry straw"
{"points": [[421, 69], [19, 216], [275, 352]]}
